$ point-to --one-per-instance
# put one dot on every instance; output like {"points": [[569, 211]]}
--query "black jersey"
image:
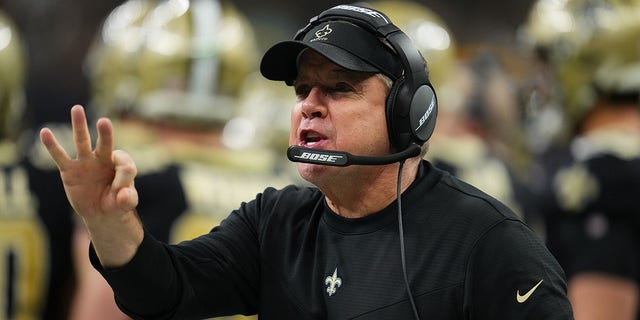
{"points": [[286, 255], [593, 220]]}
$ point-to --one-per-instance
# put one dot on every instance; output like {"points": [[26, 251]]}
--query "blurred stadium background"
{"points": [[58, 35]]}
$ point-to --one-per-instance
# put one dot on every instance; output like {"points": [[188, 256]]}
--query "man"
{"points": [[341, 249], [36, 280], [170, 113], [593, 180]]}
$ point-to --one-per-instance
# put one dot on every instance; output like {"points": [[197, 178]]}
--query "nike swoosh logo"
{"points": [[523, 298]]}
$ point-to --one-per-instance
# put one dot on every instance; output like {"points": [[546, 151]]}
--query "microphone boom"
{"points": [[343, 159]]}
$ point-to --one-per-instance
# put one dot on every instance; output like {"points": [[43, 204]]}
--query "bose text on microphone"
{"points": [[343, 159]]}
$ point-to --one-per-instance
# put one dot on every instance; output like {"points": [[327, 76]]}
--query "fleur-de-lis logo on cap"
{"points": [[322, 33], [333, 282]]}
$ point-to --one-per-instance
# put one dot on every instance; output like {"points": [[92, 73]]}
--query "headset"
{"points": [[411, 106]]}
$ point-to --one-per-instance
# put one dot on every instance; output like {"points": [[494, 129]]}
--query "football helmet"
{"points": [[607, 64], [12, 75], [592, 47], [428, 32], [172, 61], [550, 28]]}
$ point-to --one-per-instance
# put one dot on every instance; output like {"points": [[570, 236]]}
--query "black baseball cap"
{"points": [[342, 42]]}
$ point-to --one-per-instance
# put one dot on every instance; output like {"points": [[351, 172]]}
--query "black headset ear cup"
{"points": [[411, 114], [423, 112], [398, 115]]}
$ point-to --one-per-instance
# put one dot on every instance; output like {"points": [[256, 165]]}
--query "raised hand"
{"points": [[99, 184]]}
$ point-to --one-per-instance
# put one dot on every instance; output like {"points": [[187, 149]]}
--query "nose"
{"points": [[313, 105]]}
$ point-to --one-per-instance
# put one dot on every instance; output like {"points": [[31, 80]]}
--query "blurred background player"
{"points": [[479, 138], [472, 93], [593, 215], [36, 273], [172, 74], [548, 37]]}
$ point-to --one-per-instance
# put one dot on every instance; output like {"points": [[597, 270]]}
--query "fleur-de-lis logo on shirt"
{"points": [[333, 282]]}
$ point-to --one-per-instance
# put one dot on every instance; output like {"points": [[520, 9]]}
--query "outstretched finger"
{"points": [[104, 143], [81, 136], [57, 152]]}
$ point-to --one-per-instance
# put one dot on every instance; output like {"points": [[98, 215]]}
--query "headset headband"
{"points": [[379, 24]]}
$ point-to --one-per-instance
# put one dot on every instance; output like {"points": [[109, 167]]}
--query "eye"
{"points": [[302, 91], [341, 87], [335, 90]]}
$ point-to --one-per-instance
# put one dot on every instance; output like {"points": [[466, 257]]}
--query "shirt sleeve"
{"points": [[213, 275], [135, 284], [512, 275]]}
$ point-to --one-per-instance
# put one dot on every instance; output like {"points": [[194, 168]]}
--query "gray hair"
{"points": [[387, 81]]}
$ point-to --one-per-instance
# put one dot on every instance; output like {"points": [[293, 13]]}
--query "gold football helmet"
{"points": [[608, 63], [582, 47], [12, 75], [427, 31], [175, 61], [551, 28]]}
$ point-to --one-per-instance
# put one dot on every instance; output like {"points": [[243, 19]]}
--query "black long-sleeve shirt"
{"points": [[286, 255]]}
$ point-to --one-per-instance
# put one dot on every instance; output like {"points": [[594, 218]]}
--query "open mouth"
{"points": [[310, 138]]}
